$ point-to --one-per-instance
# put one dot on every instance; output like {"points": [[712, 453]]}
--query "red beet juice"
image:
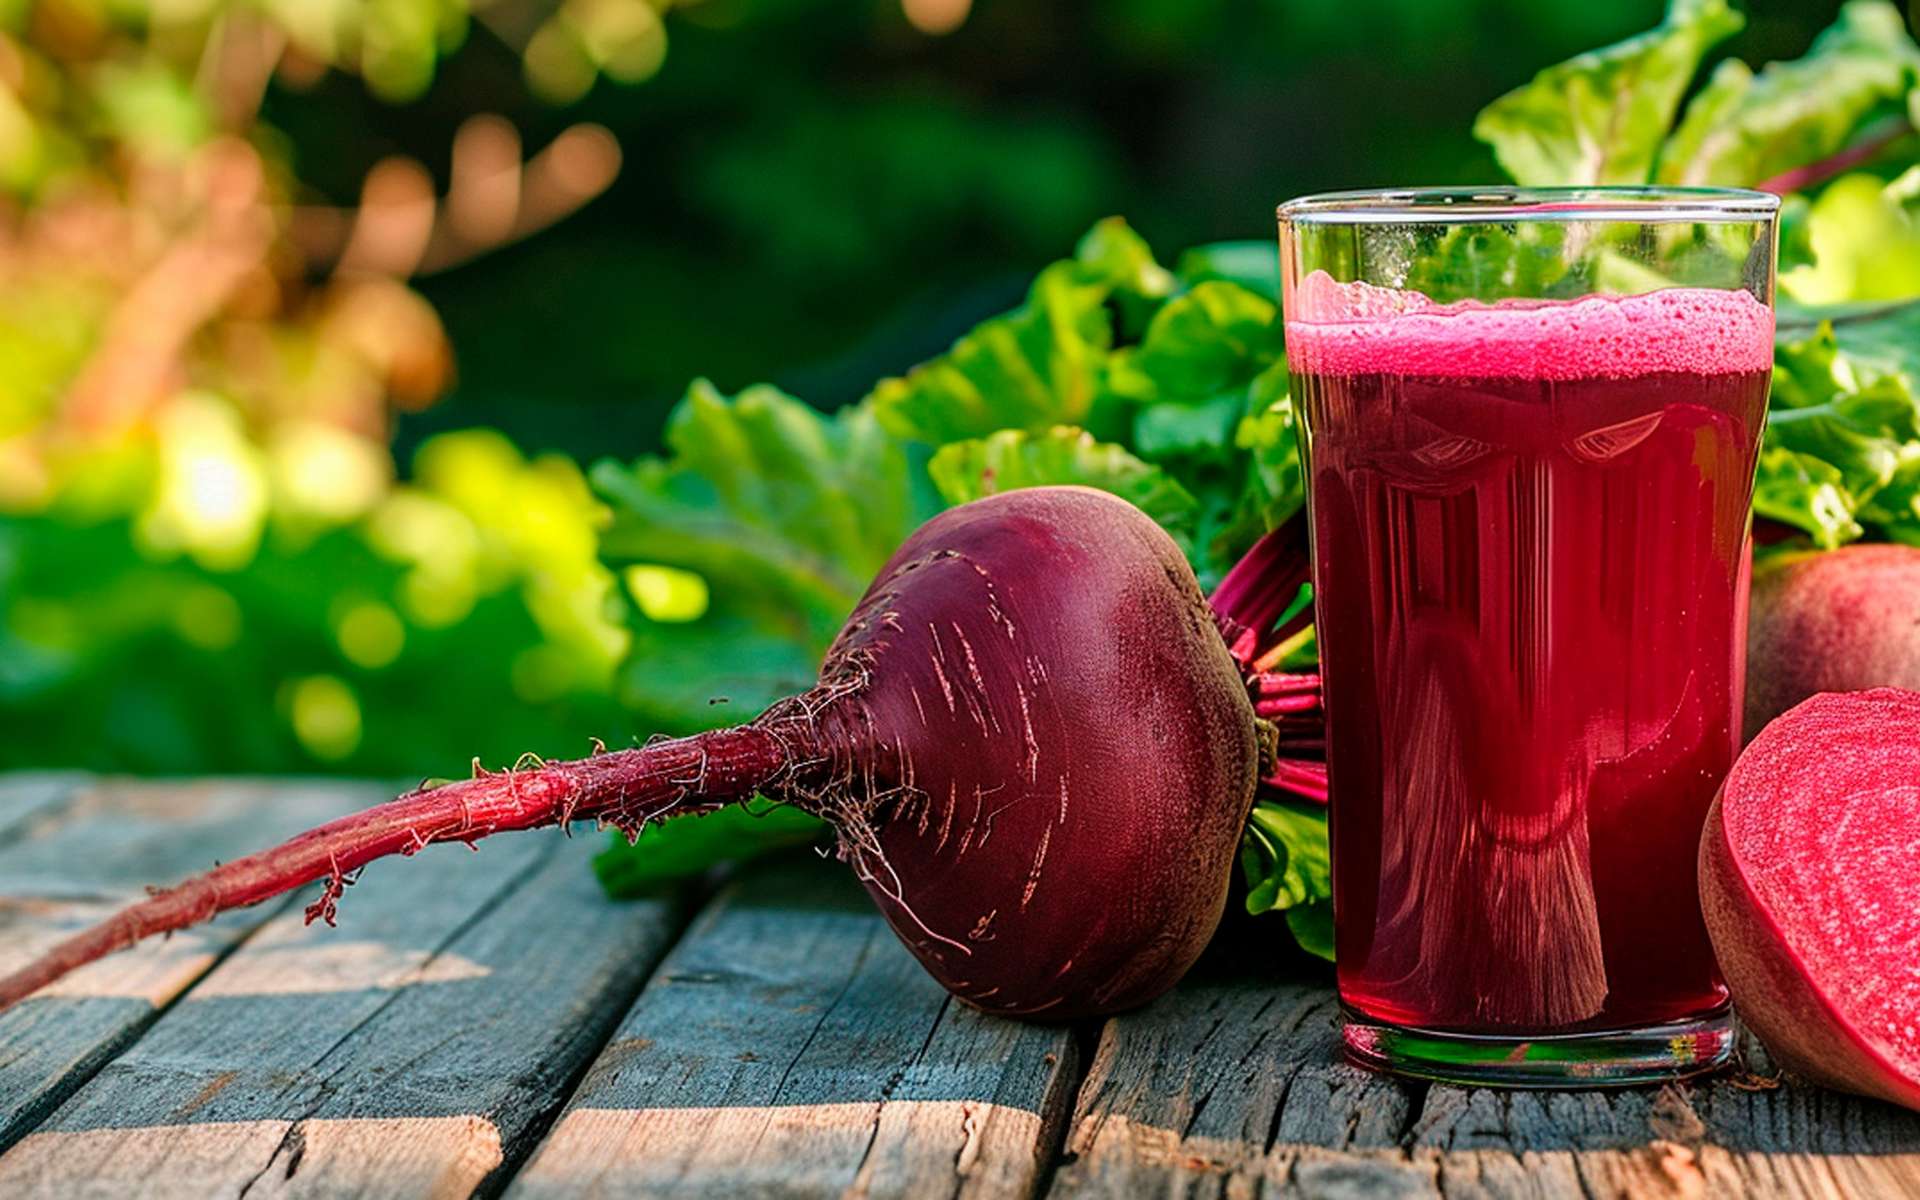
{"points": [[1530, 526]]}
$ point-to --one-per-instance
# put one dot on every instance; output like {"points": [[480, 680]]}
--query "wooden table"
{"points": [[492, 1024]]}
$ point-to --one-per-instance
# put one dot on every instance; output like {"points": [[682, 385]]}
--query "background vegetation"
{"points": [[314, 318], [257, 257]]}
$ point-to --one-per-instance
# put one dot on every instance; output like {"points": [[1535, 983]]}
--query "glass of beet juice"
{"points": [[1531, 424]]}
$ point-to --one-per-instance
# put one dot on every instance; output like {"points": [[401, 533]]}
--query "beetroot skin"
{"points": [[1831, 621], [1810, 882], [1035, 748]]}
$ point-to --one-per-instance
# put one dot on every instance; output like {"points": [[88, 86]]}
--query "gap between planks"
{"points": [[73, 849], [791, 1046], [326, 1052], [1234, 1086], [1231, 1086], [173, 1101]]}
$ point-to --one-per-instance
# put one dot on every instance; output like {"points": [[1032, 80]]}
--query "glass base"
{"points": [[1604, 1058]]}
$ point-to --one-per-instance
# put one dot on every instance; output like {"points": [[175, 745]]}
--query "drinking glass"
{"points": [[1532, 418]]}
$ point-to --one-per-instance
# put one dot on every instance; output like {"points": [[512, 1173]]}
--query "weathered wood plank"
{"points": [[789, 1046], [1233, 1085], [1643, 1142], [416, 1050], [73, 857], [1720, 1137], [28, 797]]}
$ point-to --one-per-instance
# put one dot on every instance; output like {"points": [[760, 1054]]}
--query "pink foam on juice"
{"points": [[1338, 328]]}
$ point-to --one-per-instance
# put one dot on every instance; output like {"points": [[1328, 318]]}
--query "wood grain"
{"points": [[1232, 1085], [789, 1046], [73, 852], [417, 1049], [30, 797], [1712, 1138], [492, 1023]]}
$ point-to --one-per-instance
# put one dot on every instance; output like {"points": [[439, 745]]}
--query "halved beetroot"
{"points": [[1810, 881]]}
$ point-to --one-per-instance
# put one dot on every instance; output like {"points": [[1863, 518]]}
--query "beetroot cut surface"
{"points": [[1810, 882]]}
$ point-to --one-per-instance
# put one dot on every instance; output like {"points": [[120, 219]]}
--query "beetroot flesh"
{"points": [[1036, 751], [1831, 621], [1810, 883]]}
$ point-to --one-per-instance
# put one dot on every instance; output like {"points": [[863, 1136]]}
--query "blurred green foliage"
{"points": [[464, 614], [246, 523], [211, 560], [857, 194], [206, 562]]}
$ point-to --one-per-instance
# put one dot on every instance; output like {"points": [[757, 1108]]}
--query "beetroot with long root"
{"points": [[1810, 882], [1031, 740]]}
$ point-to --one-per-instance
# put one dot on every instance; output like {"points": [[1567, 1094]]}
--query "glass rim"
{"points": [[1644, 204]]}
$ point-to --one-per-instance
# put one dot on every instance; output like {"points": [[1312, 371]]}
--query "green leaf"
{"points": [[1041, 365], [1013, 459], [1215, 336], [689, 845], [1713, 108], [1807, 493], [1173, 430], [1864, 241], [1284, 858], [1113, 254], [1843, 431], [1743, 128], [1491, 262], [774, 503], [1312, 926], [726, 667], [1895, 509], [786, 513], [1270, 433], [1254, 266], [1879, 338], [1033, 368], [1271, 487], [1599, 117]]}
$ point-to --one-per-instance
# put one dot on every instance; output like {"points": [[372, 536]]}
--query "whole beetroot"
{"points": [[1810, 884], [1030, 738], [1831, 621]]}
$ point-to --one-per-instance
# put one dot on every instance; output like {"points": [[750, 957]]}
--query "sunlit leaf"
{"points": [[1843, 442], [1043, 364], [1865, 245], [1599, 117], [1212, 337], [781, 509], [1745, 128], [1012, 459], [1254, 266]]}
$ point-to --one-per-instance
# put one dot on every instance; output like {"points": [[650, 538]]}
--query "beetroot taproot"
{"points": [[1831, 621], [1810, 883], [1034, 747]]}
